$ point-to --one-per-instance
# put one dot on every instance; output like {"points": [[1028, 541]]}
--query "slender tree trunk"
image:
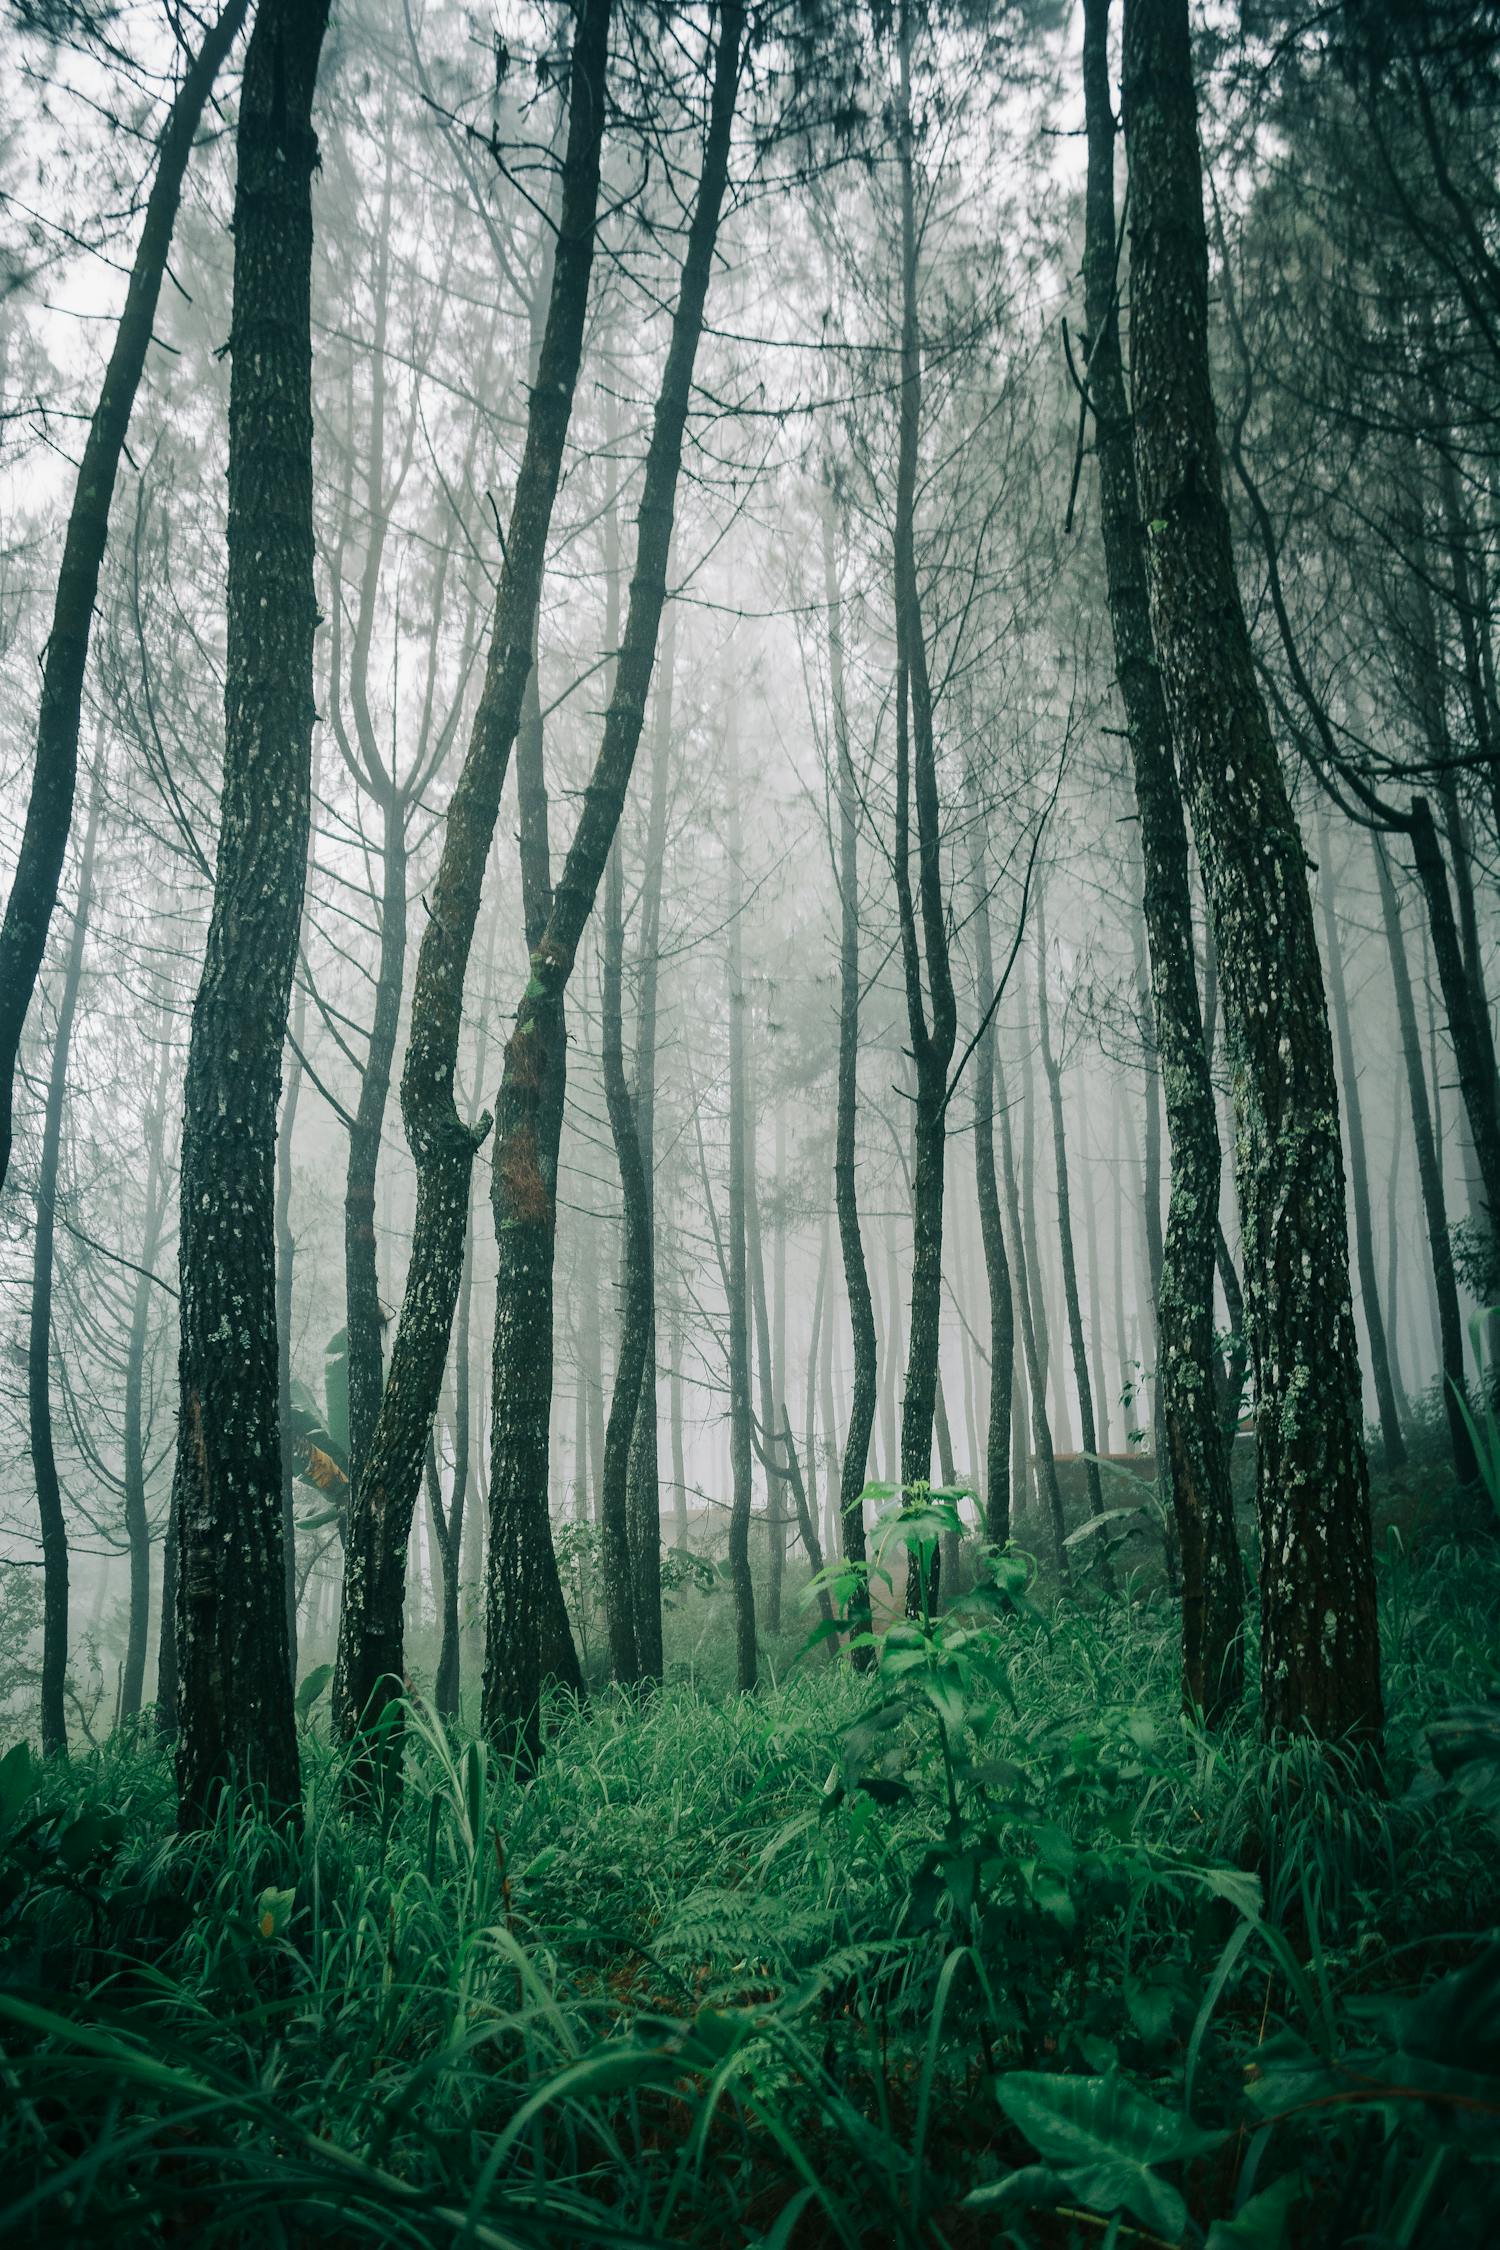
{"points": [[49, 811], [1392, 1441], [1320, 1651], [286, 1259], [1052, 1070], [768, 1419], [49, 1500], [1466, 1009], [1430, 1180], [630, 1359], [442, 1145], [645, 1472], [522, 1573], [237, 1728], [679, 1462], [361, 1272], [741, 1412], [1041, 1429], [137, 1521], [865, 1364], [932, 1041], [997, 1478], [1190, 1442]]}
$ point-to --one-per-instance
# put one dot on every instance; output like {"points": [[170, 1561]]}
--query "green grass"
{"points": [[988, 1948]]}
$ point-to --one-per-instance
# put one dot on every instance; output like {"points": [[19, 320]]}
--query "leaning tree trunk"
{"points": [[49, 813], [39, 1353], [1430, 1180], [522, 1570], [1191, 1444], [1467, 1012], [443, 1146], [1392, 1441], [845, 1183], [236, 1726], [1320, 1649]]}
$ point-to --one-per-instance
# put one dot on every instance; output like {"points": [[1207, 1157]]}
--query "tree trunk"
{"points": [[1052, 1070], [737, 1289], [137, 1521], [522, 1574], [1430, 1179], [39, 1352], [864, 1374], [932, 1041], [997, 1492], [756, 1270], [1191, 1446], [645, 1472], [442, 1145], [1041, 1429], [237, 1728], [1392, 1441], [286, 1258], [1320, 1650], [49, 811], [630, 1358], [1467, 1013]]}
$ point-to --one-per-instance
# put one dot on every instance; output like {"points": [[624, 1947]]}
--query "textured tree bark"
{"points": [[447, 1689], [49, 1501], [1191, 1442], [1392, 1441], [522, 1596], [49, 811], [1320, 1652], [236, 1724], [361, 1272], [137, 1521], [1052, 1070], [1430, 1179], [997, 1494], [442, 1145]]}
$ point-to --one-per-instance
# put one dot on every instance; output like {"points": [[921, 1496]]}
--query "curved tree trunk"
{"points": [[237, 1728], [522, 1570], [1191, 1444], [49, 812], [442, 1145], [865, 1375], [1320, 1651]]}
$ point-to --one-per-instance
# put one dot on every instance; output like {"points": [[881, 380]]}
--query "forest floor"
{"points": [[988, 1946]]}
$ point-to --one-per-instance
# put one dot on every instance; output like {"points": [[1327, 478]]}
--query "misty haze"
{"points": [[749, 1124]]}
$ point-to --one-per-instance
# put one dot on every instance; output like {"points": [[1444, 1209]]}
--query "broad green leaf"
{"points": [[1260, 2223], [312, 1687], [1109, 2138]]}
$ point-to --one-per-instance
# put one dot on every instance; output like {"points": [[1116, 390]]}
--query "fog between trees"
{"points": [[957, 1005]]}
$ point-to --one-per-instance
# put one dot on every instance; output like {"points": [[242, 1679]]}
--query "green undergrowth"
{"points": [[985, 1947]]}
